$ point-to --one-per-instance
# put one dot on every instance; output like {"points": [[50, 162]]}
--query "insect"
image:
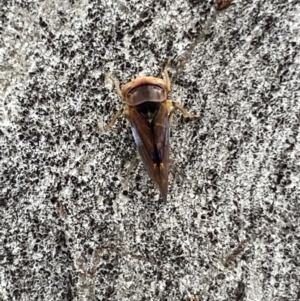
{"points": [[149, 110]]}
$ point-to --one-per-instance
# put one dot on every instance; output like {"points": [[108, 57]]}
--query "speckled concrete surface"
{"points": [[81, 221]]}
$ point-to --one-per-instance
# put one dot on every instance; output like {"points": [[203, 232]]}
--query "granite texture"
{"points": [[79, 217]]}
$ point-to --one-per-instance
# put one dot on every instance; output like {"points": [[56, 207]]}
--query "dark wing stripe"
{"points": [[151, 137]]}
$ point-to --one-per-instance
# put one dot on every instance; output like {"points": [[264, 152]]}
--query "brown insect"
{"points": [[149, 110]]}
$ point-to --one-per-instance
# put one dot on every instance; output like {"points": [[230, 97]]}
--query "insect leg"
{"points": [[119, 91], [166, 76], [184, 112], [116, 84], [114, 119]]}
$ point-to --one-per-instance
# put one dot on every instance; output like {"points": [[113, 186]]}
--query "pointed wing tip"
{"points": [[164, 198], [164, 194], [163, 185]]}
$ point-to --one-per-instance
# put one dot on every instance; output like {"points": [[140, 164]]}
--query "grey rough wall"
{"points": [[78, 223]]}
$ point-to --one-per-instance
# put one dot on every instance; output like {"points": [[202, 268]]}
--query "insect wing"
{"points": [[152, 140], [161, 131]]}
